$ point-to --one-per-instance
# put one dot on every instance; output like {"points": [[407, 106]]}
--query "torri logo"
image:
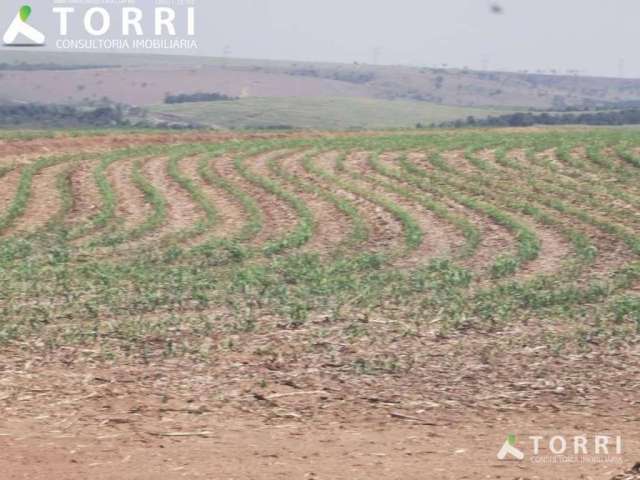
{"points": [[509, 450], [109, 27], [20, 33], [577, 449]]}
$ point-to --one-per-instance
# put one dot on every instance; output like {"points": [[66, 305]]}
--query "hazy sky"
{"points": [[587, 35], [592, 36]]}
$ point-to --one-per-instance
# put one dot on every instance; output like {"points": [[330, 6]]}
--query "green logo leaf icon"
{"points": [[25, 12], [512, 440]]}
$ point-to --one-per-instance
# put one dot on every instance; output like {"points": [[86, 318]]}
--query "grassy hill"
{"points": [[328, 113], [149, 77], [298, 94]]}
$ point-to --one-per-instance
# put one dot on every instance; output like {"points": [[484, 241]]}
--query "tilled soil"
{"points": [[384, 392], [244, 416], [44, 203], [230, 216], [278, 217], [332, 226]]}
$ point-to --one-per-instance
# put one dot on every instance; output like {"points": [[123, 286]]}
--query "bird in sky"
{"points": [[496, 8]]}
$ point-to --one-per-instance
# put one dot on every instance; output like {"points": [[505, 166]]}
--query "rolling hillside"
{"points": [[326, 113], [149, 77], [298, 94]]}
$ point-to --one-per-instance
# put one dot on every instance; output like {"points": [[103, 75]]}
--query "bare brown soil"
{"points": [[132, 207], [243, 447], [327, 162], [182, 212], [440, 239], [309, 412], [60, 143], [555, 248], [495, 239], [44, 203], [230, 217], [555, 251], [278, 217], [457, 160], [385, 231], [331, 225], [85, 193]]}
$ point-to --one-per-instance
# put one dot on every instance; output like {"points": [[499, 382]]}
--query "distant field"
{"points": [[146, 79], [333, 113], [142, 86]]}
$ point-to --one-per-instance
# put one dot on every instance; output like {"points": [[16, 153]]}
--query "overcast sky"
{"points": [[587, 35], [596, 37]]}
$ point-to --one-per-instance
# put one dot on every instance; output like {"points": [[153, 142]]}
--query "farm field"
{"points": [[308, 291], [144, 80], [323, 113]]}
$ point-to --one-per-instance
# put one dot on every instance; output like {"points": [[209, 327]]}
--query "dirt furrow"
{"points": [[85, 192], [44, 201], [386, 231], [8, 188], [332, 226], [278, 218], [555, 248], [440, 238], [612, 253], [132, 208], [182, 212], [60, 143], [230, 216], [456, 159], [495, 240], [327, 161]]}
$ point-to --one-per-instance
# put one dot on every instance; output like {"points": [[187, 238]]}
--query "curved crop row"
{"points": [[450, 230]]}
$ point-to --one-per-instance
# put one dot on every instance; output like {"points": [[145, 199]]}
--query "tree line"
{"points": [[197, 97], [630, 116], [37, 115], [29, 67]]}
